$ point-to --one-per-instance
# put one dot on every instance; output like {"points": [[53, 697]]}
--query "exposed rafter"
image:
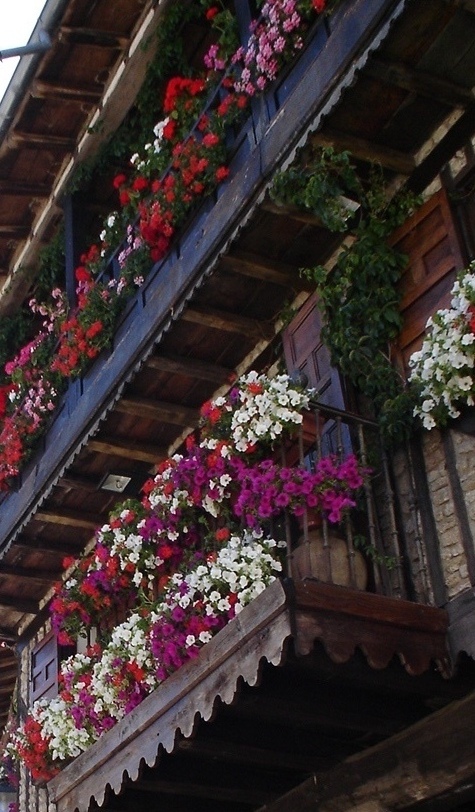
{"points": [[48, 545], [69, 517], [366, 150], [63, 92], [18, 138], [91, 36], [30, 574], [156, 410], [191, 367], [415, 81], [230, 322], [118, 447], [257, 267]]}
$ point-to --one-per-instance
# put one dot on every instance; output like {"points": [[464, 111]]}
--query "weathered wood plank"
{"points": [[141, 452], [158, 410], [432, 757], [416, 81], [230, 322], [399, 162], [192, 367], [69, 517], [256, 267]]}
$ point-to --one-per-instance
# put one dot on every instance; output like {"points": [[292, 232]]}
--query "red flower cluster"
{"points": [[182, 91], [33, 751]]}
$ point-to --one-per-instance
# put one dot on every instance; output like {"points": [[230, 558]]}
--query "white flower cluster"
{"points": [[443, 369], [67, 740], [130, 549], [141, 162], [267, 407], [129, 642], [244, 567]]}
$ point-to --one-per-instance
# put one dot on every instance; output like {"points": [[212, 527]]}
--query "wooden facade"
{"points": [[318, 695]]}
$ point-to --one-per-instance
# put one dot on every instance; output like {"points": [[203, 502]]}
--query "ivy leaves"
{"points": [[359, 297]]}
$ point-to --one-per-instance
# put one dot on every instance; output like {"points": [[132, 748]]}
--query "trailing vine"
{"points": [[359, 298]]}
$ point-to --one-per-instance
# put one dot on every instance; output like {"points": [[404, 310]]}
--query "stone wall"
{"points": [[449, 459]]}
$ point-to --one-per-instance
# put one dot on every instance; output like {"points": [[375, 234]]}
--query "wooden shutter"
{"points": [[305, 351], [430, 240], [45, 668]]}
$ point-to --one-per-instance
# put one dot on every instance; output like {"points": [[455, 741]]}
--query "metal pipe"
{"points": [[43, 44]]}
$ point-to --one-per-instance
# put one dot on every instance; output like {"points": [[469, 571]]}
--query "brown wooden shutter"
{"points": [[45, 668], [430, 240], [304, 350]]}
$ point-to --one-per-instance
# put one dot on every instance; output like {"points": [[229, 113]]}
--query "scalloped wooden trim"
{"points": [[258, 633], [345, 619]]}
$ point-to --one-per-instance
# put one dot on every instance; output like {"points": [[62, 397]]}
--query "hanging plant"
{"points": [[359, 297]]}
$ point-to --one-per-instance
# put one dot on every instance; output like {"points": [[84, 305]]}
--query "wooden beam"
{"points": [[191, 367], [52, 90], [22, 605], [91, 36], [257, 267], [30, 573], [48, 546], [55, 143], [393, 159], [234, 753], [433, 758], [415, 81], [82, 483], [21, 189], [14, 232], [158, 410], [228, 322], [116, 447], [7, 635], [68, 518], [244, 794]]}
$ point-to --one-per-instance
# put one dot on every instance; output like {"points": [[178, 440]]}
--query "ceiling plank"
{"points": [[22, 189], [92, 36], [191, 367], [243, 794], [256, 267], [229, 322], [48, 546], [52, 90], [22, 605], [432, 757], [234, 753], [57, 143], [393, 159], [82, 483], [69, 518], [116, 447], [415, 81], [30, 573], [14, 232], [157, 410]]}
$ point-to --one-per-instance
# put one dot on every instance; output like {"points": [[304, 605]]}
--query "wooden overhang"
{"points": [[213, 307], [204, 715]]}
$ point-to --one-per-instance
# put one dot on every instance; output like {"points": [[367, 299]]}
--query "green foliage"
{"points": [[359, 297], [137, 127]]}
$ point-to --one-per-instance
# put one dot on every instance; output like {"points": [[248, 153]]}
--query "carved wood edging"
{"points": [[258, 633], [345, 619]]}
